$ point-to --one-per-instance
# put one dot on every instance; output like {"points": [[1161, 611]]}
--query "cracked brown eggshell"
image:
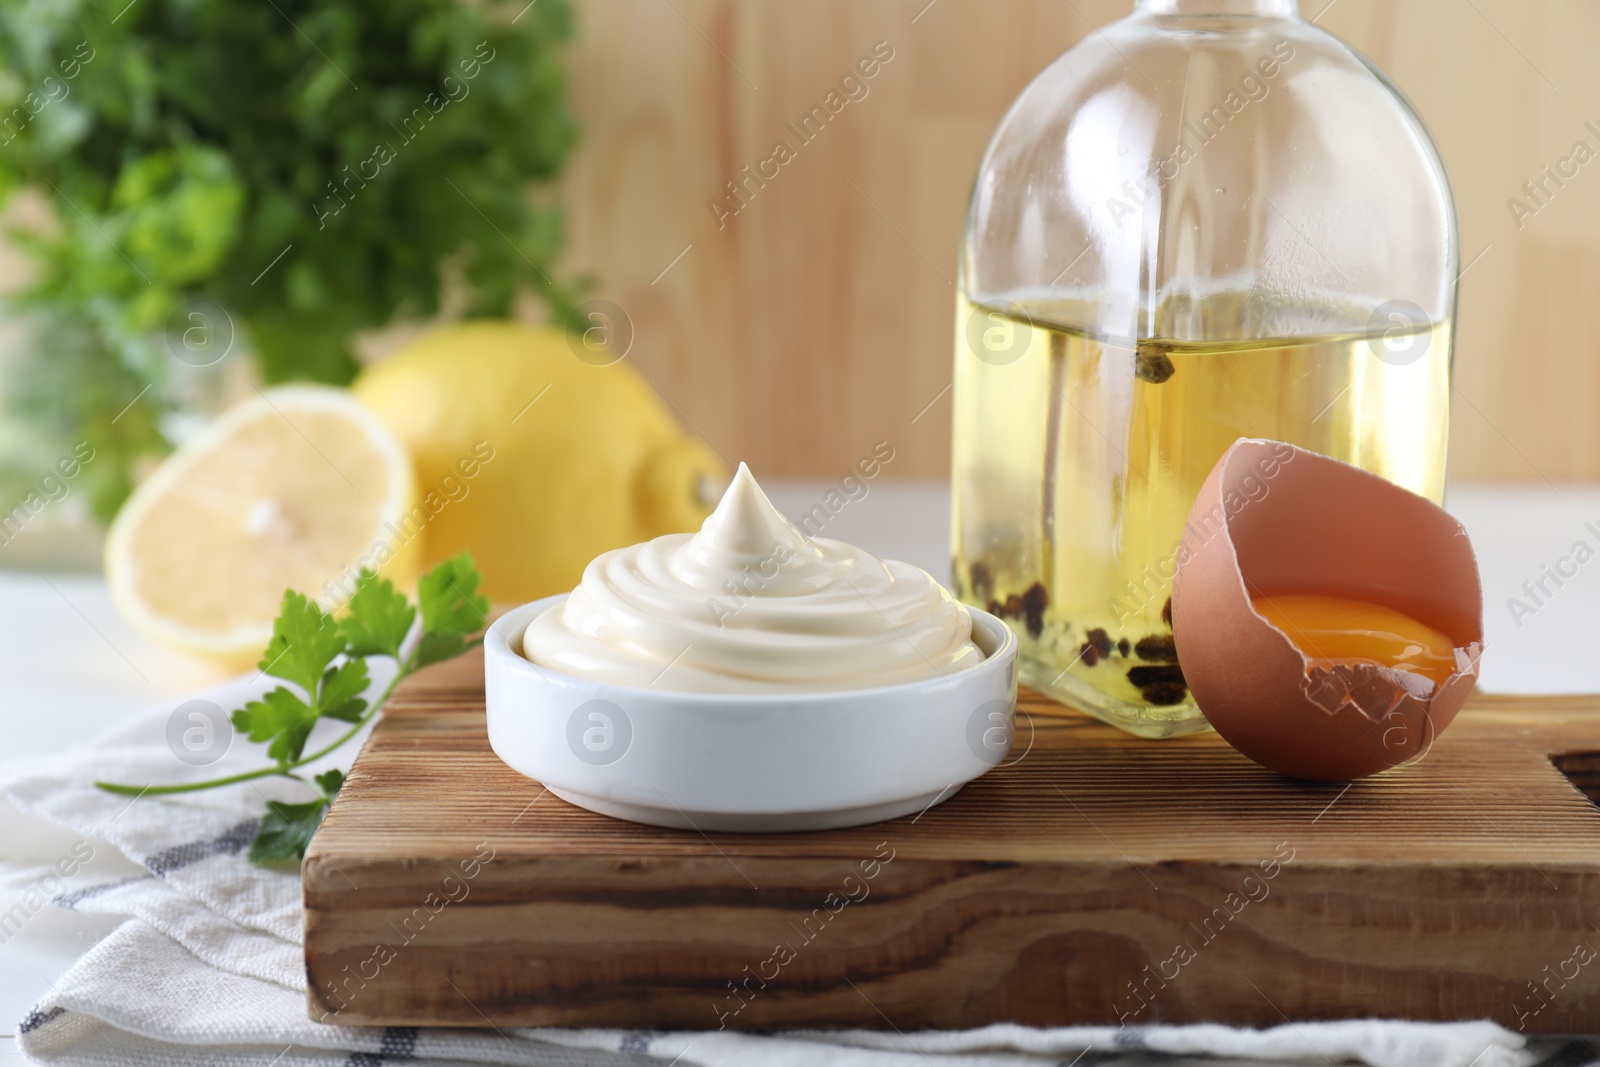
{"points": [[1275, 519]]}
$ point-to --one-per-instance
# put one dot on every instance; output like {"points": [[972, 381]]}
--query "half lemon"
{"points": [[296, 488]]}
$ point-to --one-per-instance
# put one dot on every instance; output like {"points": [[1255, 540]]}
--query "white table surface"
{"points": [[72, 668]]}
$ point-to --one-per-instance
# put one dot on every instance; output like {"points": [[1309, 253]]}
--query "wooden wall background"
{"points": [[820, 319]]}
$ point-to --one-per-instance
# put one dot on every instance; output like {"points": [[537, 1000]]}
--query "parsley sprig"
{"points": [[324, 660]]}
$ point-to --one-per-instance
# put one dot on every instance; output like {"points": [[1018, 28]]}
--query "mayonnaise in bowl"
{"points": [[751, 605]]}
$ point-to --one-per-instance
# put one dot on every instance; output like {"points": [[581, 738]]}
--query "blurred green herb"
{"points": [[306, 642], [310, 168]]}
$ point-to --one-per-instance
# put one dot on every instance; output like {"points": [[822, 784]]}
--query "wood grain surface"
{"points": [[819, 320], [1097, 878]]}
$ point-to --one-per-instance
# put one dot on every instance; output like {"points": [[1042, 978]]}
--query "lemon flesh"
{"points": [[289, 490]]}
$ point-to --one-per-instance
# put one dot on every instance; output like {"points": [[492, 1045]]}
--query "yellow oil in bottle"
{"points": [[1077, 458]]}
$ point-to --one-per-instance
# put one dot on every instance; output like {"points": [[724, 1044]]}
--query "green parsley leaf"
{"points": [[280, 717], [304, 641], [434, 648], [330, 782], [342, 686], [449, 600], [286, 830], [379, 617]]}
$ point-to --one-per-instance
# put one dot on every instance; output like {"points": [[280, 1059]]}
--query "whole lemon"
{"points": [[533, 459]]}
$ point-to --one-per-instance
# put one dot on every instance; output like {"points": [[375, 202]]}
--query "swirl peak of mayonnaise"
{"points": [[751, 605]]}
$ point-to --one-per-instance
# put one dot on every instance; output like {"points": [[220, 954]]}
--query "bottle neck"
{"points": [[1257, 8]]}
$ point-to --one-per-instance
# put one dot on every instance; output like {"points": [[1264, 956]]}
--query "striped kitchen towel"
{"points": [[206, 967]]}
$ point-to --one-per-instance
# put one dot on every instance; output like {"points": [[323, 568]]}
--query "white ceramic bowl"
{"points": [[713, 761]]}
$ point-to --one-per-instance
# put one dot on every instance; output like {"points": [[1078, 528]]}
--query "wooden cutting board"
{"points": [[1096, 879]]}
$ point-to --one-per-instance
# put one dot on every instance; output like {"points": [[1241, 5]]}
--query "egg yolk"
{"points": [[1332, 630]]}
